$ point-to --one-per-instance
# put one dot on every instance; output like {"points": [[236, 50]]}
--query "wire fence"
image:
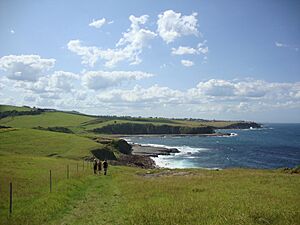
{"points": [[14, 190]]}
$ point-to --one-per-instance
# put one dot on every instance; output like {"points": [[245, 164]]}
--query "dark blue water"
{"points": [[274, 146]]}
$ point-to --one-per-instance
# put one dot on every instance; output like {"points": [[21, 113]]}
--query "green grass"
{"points": [[47, 119], [126, 196], [44, 143], [4, 108], [32, 202]]}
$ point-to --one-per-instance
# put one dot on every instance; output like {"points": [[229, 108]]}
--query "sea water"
{"points": [[273, 146]]}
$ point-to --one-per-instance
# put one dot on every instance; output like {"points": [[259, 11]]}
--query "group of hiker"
{"points": [[98, 166]]}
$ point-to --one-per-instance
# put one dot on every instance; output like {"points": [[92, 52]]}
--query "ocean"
{"points": [[273, 146]]}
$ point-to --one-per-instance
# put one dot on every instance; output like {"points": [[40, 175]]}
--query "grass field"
{"points": [[133, 196], [45, 143], [47, 119]]}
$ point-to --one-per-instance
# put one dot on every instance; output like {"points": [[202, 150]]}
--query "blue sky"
{"points": [[203, 59]]}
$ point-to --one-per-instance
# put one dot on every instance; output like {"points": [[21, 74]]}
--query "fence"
{"points": [[75, 173]]}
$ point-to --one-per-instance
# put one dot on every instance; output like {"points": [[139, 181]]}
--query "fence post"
{"points": [[10, 198], [67, 171], [50, 181]]}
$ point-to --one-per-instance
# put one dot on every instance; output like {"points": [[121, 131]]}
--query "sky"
{"points": [[233, 60]]}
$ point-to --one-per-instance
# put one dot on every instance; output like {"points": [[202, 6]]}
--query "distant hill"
{"points": [[5, 108], [51, 119]]}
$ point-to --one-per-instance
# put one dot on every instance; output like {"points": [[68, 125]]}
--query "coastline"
{"points": [[149, 156]]}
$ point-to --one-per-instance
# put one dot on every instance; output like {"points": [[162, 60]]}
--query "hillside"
{"points": [[129, 196], [83, 124], [5, 108], [45, 143]]}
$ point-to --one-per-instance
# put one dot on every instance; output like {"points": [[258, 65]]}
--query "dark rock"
{"points": [[152, 151], [135, 160]]}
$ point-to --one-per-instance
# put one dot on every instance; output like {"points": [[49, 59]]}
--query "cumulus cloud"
{"points": [[59, 81], [185, 50], [172, 25], [103, 79], [129, 47], [246, 90], [154, 94], [215, 95], [202, 48], [187, 63], [97, 23], [25, 67]]}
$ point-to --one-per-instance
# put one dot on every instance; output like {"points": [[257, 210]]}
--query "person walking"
{"points": [[99, 165], [105, 166], [95, 166]]}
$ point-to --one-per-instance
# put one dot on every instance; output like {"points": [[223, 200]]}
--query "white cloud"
{"points": [[65, 90], [218, 96], [25, 67], [129, 47], [187, 63], [185, 50], [215, 87], [182, 50], [202, 48], [283, 45], [30, 98], [59, 81], [103, 79], [154, 94], [172, 25], [97, 23], [89, 55], [278, 44]]}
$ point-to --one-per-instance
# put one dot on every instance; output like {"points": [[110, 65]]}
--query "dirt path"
{"points": [[101, 198]]}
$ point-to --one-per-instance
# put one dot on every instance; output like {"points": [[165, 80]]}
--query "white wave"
{"points": [[168, 162], [127, 139], [171, 163], [177, 160], [226, 136]]}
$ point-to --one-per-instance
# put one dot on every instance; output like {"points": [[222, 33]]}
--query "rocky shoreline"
{"points": [[141, 155], [152, 151]]}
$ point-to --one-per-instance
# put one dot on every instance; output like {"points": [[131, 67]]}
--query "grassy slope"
{"points": [[126, 197], [44, 143], [4, 108], [48, 119]]}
